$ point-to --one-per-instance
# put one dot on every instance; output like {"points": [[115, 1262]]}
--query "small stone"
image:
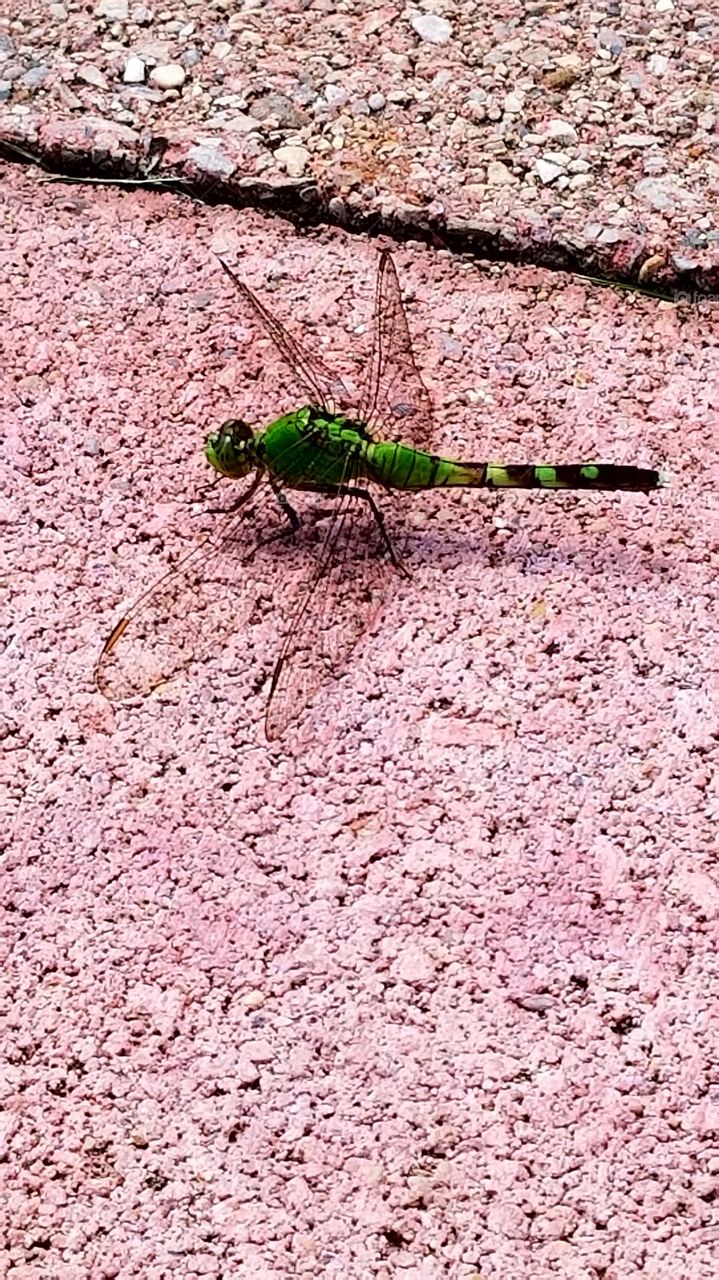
{"points": [[239, 123], [579, 166], [171, 76], [254, 999], [5, 90], [91, 75], [682, 263], [558, 157], [561, 129], [612, 235], [70, 100], [58, 11], [134, 72], [498, 175], [536, 1003], [664, 6], [259, 1051], [658, 64], [279, 107], [112, 10], [658, 195], [35, 77], [431, 28], [634, 140], [537, 55], [413, 965], [337, 209], [335, 94], [546, 171], [210, 159], [376, 101], [562, 77], [293, 160], [245, 1072], [514, 103], [221, 50], [579, 180], [612, 41]]}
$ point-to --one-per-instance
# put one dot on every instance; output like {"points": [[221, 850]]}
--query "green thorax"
{"points": [[306, 447], [310, 448]]}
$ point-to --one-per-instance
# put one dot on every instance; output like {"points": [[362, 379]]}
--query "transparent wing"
{"points": [[354, 571], [395, 403], [325, 388], [186, 614]]}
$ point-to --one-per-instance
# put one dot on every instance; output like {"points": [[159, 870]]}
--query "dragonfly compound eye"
{"points": [[227, 449]]}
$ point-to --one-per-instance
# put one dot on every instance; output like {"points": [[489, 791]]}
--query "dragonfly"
{"points": [[357, 453]]}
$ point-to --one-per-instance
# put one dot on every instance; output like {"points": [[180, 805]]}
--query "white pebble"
{"points": [[293, 160], [171, 76], [634, 140], [134, 72], [546, 171], [664, 6], [561, 129], [335, 94], [513, 103], [431, 28], [376, 101], [112, 10], [658, 64], [498, 175]]}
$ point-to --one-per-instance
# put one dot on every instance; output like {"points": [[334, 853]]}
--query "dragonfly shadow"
{"points": [[580, 553]]}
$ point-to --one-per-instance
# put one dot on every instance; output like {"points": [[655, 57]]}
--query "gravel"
{"points": [[403, 115]]}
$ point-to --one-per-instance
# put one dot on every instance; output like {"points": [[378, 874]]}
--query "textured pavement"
{"points": [[427, 989]]}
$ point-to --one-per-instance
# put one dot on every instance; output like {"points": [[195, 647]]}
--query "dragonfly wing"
{"points": [[352, 576], [395, 403], [325, 388], [184, 616]]}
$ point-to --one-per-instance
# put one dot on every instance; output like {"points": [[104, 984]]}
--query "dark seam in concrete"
{"points": [[303, 205]]}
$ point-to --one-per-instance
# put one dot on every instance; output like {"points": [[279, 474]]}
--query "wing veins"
{"points": [[325, 386], [294, 683]]}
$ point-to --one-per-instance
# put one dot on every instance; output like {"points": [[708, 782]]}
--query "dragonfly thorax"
{"points": [[231, 450]]}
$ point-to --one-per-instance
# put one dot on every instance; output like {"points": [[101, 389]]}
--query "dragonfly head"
{"points": [[231, 449]]}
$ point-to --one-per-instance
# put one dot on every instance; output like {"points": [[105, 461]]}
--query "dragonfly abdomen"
{"points": [[589, 475], [400, 467]]}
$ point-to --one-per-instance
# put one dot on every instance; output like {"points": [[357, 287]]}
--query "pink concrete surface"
{"points": [[429, 989]]}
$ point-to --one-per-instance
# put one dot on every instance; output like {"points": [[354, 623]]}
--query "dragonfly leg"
{"points": [[287, 508], [239, 502], [204, 492], [355, 492]]}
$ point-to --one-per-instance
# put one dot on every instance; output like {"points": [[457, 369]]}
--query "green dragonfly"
{"points": [[356, 452]]}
